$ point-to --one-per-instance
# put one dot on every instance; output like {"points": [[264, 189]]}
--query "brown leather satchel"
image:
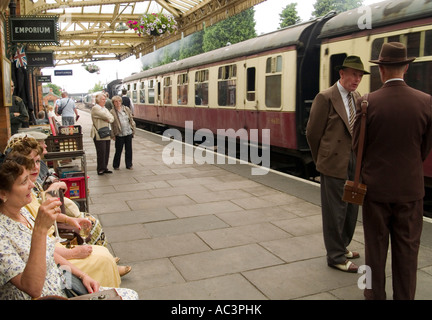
{"points": [[354, 191]]}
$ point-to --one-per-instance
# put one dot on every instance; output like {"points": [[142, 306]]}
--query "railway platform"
{"points": [[216, 232]]}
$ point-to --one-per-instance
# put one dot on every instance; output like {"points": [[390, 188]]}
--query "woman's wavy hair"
{"points": [[25, 145], [11, 167]]}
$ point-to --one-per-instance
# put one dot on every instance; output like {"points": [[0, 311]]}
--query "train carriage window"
{"points": [[335, 61], [394, 39], [227, 85], [417, 73], [167, 90], [201, 87], [182, 89], [273, 88], [251, 84], [428, 43], [142, 92], [413, 44], [134, 96], [376, 48], [151, 92]]}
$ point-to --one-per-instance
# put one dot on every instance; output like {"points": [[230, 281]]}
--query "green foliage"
{"points": [[230, 31], [97, 87], [55, 88], [192, 45], [289, 16], [322, 7]]}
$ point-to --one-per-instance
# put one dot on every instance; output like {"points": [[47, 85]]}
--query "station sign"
{"points": [[62, 72], [34, 29], [40, 59], [43, 78]]}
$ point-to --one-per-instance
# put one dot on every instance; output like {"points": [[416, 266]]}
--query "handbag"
{"points": [[354, 191], [61, 107], [73, 285], [110, 294], [104, 132]]}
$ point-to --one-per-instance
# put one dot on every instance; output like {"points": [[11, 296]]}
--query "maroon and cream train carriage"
{"points": [[269, 82], [263, 83]]}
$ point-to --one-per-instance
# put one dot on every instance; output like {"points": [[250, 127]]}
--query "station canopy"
{"points": [[96, 30]]}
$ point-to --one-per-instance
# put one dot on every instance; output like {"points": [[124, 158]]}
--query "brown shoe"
{"points": [[347, 266], [352, 254]]}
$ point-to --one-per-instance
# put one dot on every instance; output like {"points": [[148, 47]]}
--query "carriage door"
{"points": [[251, 111], [158, 99]]}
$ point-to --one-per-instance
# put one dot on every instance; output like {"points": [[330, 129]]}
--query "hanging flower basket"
{"points": [[154, 24], [92, 68]]}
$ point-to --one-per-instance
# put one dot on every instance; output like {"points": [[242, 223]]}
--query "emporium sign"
{"points": [[34, 30]]}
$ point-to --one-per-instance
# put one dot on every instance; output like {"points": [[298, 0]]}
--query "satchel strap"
{"points": [[364, 106]]}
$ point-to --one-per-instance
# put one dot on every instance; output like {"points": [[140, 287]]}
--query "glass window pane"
{"points": [[428, 43], [413, 44], [227, 93], [273, 91], [416, 75], [279, 64], [251, 83], [376, 48], [167, 95], [151, 96]]}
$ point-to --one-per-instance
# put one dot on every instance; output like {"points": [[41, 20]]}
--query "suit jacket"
{"points": [[398, 139], [328, 133]]}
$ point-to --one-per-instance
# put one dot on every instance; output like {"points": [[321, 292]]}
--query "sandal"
{"points": [[124, 270], [352, 254], [348, 266]]}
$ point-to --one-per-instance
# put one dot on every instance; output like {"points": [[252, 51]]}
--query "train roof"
{"points": [[270, 41], [383, 13]]}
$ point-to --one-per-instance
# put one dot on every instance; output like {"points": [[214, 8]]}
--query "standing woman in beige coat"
{"points": [[101, 117]]}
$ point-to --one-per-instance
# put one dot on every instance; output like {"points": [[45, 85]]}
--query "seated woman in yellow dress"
{"points": [[45, 179], [95, 260], [28, 261]]}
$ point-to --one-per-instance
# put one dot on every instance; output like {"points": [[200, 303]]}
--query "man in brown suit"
{"points": [[329, 136], [398, 139]]}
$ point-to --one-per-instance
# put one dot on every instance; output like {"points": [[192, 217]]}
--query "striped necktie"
{"points": [[351, 111]]}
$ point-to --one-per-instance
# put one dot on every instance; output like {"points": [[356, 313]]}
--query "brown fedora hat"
{"points": [[393, 53], [352, 62]]}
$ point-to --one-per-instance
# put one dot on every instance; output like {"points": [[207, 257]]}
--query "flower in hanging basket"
{"points": [[92, 68], [154, 24]]}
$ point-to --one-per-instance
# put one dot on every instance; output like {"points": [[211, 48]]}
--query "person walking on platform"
{"points": [[126, 101], [101, 117], [329, 136], [67, 109], [18, 112], [398, 140], [123, 130]]}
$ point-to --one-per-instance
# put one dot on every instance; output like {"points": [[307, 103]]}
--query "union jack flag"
{"points": [[20, 58]]}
